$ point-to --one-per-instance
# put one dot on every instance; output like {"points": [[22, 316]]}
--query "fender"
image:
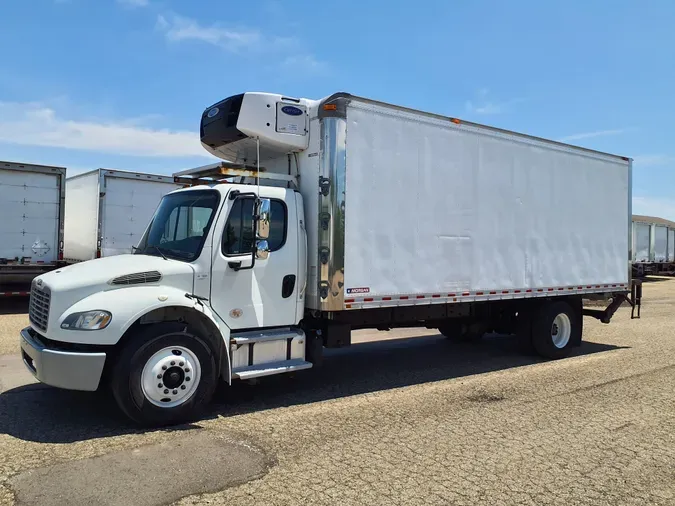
{"points": [[127, 306]]}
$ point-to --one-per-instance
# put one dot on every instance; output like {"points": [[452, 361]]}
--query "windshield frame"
{"points": [[152, 250]]}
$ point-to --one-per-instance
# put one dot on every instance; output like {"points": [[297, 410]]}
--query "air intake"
{"points": [[137, 278]]}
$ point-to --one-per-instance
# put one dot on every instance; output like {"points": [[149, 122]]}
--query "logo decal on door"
{"points": [[236, 313]]}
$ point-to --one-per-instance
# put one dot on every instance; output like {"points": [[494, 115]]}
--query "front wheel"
{"points": [[165, 375]]}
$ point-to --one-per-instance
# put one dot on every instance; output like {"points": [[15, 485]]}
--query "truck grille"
{"points": [[39, 307]]}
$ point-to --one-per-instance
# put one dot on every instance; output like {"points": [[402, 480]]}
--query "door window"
{"points": [[238, 235]]}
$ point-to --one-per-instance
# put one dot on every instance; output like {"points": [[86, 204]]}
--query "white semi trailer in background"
{"points": [[328, 216], [31, 228], [653, 246], [107, 211]]}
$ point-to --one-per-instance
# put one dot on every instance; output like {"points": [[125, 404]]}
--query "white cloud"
{"points": [[484, 106], [35, 124], [590, 135], [134, 3], [178, 28], [653, 160], [660, 208]]}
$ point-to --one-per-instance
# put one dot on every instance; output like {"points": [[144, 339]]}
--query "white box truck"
{"points": [[328, 216], [653, 246], [31, 229], [108, 210]]}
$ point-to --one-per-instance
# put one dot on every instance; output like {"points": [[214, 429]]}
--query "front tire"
{"points": [[555, 329], [165, 375]]}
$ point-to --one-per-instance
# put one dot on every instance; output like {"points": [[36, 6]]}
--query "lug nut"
{"points": [[173, 363], [182, 387], [166, 391], [181, 364], [160, 386], [159, 376], [187, 378], [164, 368], [187, 369], [175, 392]]}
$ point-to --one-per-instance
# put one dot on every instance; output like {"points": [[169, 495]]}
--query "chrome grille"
{"points": [[137, 278], [38, 312]]}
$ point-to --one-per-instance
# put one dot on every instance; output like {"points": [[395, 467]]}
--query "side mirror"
{"points": [[262, 249], [264, 214]]}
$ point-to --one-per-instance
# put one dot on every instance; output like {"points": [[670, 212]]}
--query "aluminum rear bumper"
{"points": [[63, 369]]}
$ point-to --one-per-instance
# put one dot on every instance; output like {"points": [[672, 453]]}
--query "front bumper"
{"points": [[63, 369]]}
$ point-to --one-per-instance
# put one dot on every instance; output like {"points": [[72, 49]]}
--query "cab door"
{"points": [[265, 295]]}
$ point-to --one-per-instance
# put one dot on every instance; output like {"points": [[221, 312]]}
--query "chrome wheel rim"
{"points": [[171, 376], [561, 330]]}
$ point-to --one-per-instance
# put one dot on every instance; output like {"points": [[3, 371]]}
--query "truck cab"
{"points": [[214, 290]]}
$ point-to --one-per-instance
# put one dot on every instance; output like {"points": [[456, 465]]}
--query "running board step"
{"points": [[257, 336], [260, 370]]}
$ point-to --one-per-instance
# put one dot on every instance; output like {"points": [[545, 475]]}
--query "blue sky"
{"points": [[122, 83]]}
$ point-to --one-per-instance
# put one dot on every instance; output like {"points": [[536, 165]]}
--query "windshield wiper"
{"points": [[158, 249]]}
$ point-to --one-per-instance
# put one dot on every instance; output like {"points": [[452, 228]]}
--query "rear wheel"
{"points": [[555, 329], [165, 375]]}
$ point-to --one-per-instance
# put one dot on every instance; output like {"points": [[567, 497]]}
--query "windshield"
{"points": [[180, 225]]}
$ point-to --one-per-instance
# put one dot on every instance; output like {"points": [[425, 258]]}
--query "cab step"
{"points": [[270, 368]]}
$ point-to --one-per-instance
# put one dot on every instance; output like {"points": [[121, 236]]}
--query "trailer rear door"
{"points": [[30, 209]]}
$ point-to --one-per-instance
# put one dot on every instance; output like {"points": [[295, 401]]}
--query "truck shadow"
{"points": [[43, 414], [14, 305]]}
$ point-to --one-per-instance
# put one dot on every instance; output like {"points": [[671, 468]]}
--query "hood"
{"points": [[99, 273]]}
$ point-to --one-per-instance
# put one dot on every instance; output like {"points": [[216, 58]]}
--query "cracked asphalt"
{"points": [[413, 419]]}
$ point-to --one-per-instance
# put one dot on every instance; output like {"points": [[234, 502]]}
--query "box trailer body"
{"points": [[653, 246], [332, 215], [107, 211], [31, 231]]}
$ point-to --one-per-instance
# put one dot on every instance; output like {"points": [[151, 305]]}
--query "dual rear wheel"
{"points": [[551, 328]]}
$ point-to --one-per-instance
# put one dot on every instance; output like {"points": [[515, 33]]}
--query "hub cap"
{"points": [[170, 377], [561, 330]]}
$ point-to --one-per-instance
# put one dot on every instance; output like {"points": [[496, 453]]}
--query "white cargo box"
{"points": [[107, 211], [427, 207]]}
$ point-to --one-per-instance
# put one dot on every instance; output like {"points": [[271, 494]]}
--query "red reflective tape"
{"points": [[479, 293], [580, 287], [560, 289], [493, 293], [404, 297], [505, 291], [466, 294], [516, 291], [528, 291], [436, 296], [349, 300], [541, 289], [570, 288], [386, 298], [452, 295], [589, 287], [613, 286], [421, 296], [369, 299]]}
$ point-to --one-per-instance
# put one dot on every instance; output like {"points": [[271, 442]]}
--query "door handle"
{"points": [[235, 266]]}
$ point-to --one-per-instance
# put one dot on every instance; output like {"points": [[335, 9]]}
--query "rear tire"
{"points": [[172, 355], [556, 328]]}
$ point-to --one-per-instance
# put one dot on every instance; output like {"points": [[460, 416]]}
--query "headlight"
{"points": [[88, 320]]}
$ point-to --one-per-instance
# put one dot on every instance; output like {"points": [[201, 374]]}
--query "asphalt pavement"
{"points": [[413, 419]]}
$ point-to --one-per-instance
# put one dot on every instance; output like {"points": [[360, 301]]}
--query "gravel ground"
{"points": [[414, 420]]}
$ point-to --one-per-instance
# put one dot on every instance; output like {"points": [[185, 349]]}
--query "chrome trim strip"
{"points": [[333, 167]]}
